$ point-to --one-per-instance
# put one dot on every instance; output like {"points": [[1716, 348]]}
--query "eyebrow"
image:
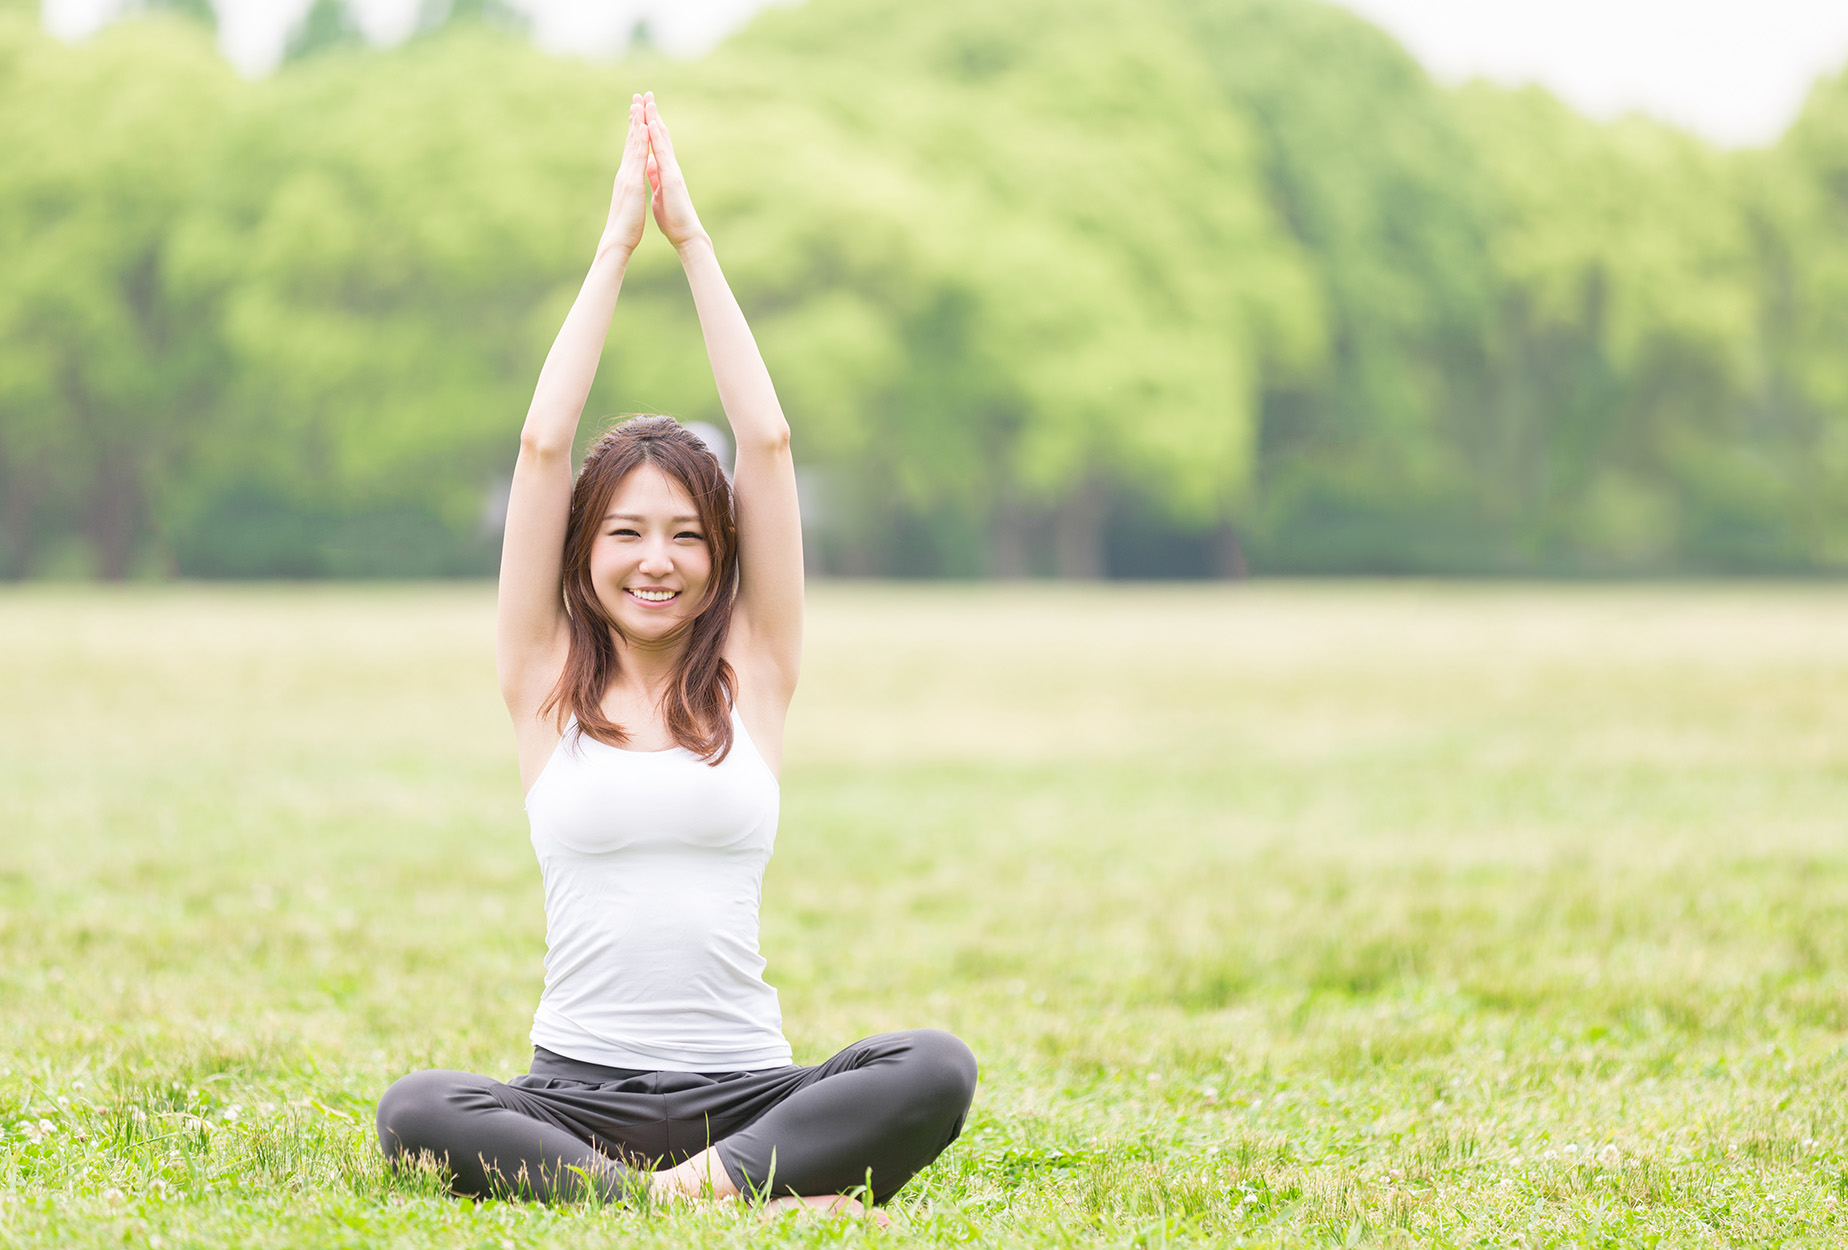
{"points": [[634, 516]]}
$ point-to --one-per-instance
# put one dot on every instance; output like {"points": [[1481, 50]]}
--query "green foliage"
{"points": [[1045, 287], [498, 14], [1628, 354], [1362, 463], [1800, 202], [990, 299], [107, 357], [326, 26], [380, 272], [198, 10]]}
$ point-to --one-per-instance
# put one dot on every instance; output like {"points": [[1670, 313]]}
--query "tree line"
{"points": [[1073, 287]]}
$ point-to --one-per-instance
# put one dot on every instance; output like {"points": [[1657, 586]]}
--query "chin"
{"points": [[650, 626], [651, 629]]}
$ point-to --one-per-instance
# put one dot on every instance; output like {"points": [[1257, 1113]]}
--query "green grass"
{"points": [[1379, 915]]}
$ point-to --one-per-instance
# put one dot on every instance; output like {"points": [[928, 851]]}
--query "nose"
{"points": [[656, 560]]}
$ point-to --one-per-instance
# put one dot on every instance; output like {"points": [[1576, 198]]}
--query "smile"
{"points": [[653, 596]]}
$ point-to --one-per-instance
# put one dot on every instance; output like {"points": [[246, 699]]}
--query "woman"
{"points": [[648, 702]]}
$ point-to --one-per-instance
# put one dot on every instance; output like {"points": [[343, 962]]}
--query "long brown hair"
{"points": [[699, 697]]}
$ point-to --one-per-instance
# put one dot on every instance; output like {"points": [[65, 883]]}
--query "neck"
{"points": [[648, 666]]}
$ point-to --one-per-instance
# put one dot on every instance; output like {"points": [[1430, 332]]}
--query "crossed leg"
{"points": [[865, 1121]]}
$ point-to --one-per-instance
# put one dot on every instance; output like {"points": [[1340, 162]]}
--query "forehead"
{"points": [[649, 492]]}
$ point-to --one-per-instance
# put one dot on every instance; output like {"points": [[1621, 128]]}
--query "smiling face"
{"points": [[650, 561]]}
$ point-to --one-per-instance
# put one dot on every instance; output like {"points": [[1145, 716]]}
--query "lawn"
{"points": [[1353, 914]]}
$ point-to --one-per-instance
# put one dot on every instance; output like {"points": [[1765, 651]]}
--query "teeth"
{"points": [[654, 596]]}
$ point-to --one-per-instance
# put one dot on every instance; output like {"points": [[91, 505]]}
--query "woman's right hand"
{"points": [[629, 201]]}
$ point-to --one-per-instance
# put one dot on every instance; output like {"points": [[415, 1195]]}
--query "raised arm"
{"points": [[530, 638], [767, 622]]}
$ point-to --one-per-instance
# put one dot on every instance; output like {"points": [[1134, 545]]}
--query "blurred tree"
{"points": [[384, 240], [496, 14], [197, 10], [1627, 343], [1799, 211], [327, 25], [330, 24], [1046, 287], [1362, 464], [106, 360], [1004, 259]]}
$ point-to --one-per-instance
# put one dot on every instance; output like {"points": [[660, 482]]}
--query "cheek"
{"points": [[605, 560], [696, 568]]}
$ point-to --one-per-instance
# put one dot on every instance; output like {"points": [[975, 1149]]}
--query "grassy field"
{"points": [[1353, 915]]}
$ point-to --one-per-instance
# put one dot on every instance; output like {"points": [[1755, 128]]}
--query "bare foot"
{"points": [[701, 1177], [839, 1205]]}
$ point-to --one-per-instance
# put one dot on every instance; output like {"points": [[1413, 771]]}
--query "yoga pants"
{"points": [[885, 1106]]}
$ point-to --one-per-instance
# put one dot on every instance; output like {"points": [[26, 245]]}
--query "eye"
{"points": [[695, 535], [623, 531]]}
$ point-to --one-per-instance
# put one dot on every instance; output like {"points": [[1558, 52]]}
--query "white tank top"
{"points": [[653, 864]]}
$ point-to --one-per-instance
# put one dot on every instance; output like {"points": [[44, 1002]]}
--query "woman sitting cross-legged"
{"points": [[649, 636]]}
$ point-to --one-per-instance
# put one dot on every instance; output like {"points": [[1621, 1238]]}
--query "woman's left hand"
{"points": [[673, 206]]}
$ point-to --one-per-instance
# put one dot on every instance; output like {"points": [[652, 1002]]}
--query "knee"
{"points": [[412, 1110], [945, 1071]]}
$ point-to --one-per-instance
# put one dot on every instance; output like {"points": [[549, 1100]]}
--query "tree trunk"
{"points": [[1007, 553], [115, 517], [1229, 555], [1078, 534], [16, 527]]}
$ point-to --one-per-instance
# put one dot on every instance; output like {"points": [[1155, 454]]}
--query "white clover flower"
{"points": [[1610, 1156]]}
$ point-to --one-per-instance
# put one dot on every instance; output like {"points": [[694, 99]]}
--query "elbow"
{"points": [[539, 446], [774, 441]]}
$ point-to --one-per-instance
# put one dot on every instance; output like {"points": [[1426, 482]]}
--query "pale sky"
{"points": [[1734, 70]]}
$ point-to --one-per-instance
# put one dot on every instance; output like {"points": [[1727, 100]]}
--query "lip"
{"points": [[673, 596]]}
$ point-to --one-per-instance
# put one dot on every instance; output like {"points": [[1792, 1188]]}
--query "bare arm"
{"points": [[530, 629], [767, 624]]}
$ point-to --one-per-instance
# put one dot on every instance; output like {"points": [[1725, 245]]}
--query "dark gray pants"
{"points": [[885, 1106]]}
